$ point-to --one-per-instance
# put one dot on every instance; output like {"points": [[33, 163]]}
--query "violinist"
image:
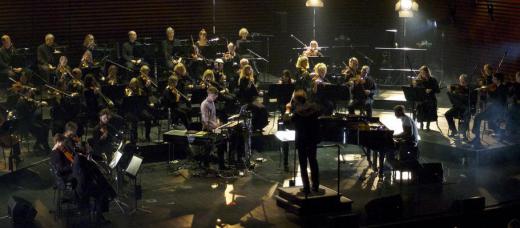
{"points": [[184, 83], [29, 113], [106, 132], [231, 54], [495, 107], [87, 59], [231, 63], [218, 71], [363, 91], [318, 79], [285, 78], [7, 53], [63, 70], [138, 111], [302, 75], [75, 85], [145, 82], [130, 53], [177, 102], [169, 48], [312, 50], [112, 78], [427, 109], [93, 100], [487, 75], [61, 158], [459, 109], [45, 54], [72, 141], [351, 70]]}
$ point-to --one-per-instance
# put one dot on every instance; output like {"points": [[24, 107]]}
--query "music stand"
{"points": [[414, 95], [132, 170]]}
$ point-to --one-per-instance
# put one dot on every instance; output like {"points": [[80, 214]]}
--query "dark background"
{"points": [[464, 37]]}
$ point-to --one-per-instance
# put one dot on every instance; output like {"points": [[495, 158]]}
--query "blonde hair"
{"points": [[145, 69], [320, 67], [243, 32], [134, 83], [302, 59], [208, 74], [170, 29], [87, 42], [243, 73], [180, 66], [202, 31]]}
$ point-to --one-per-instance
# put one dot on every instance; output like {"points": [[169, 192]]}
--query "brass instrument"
{"points": [[107, 100], [176, 91], [147, 78]]}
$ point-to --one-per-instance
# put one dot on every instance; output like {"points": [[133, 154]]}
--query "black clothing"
{"points": [[62, 165], [45, 56], [459, 99], [130, 53], [495, 110], [246, 90], [303, 80], [427, 109], [169, 51], [308, 136], [178, 109], [6, 60], [360, 100], [115, 128]]}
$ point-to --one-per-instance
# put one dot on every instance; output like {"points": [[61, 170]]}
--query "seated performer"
{"points": [[130, 54], [320, 71], [109, 129], [305, 118], [427, 108], [312, 50], [7, 53], [495, 107], [302, 75], [351, 70], [363, 91], [176, 102], [408, 139], [45, 54], [168, 48], [136, 112], [61, 158], [210, 123], [459, 94], [9, 140]]}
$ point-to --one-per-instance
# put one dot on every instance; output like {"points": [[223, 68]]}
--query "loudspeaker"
{"points": [[470, 205], [20, 210], [385, 209], [431, 173]]}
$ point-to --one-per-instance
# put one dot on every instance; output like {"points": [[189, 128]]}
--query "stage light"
{"points": [[314, 3], [406, 8]]}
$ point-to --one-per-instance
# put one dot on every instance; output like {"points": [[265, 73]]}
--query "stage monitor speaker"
{"points": [[431, 173], [20, 210], [384, 209], [469, 205]]}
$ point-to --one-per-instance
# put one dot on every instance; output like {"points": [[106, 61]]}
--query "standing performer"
{"points": [[139, 111], [247, 91], [305, 118], [210, 123], [427, 109], [106, 133], [459, 94], [363, 91]]}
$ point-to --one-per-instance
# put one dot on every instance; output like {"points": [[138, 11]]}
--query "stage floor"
{"points": [[181, 198]]}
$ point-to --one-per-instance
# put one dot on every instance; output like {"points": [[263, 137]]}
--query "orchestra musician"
{"points": [[130, 53], [218, 71], [363, 90], [302, 75], [210, 123], [8, 138], [29, 113], [487, 75], [89, 44], [242, 34], [427, 109], [351, 70], [112, 78], [318, 79], [459, 109], [304, 114], [45, 55], [168, 47], [7, 53], [140, 111], [231, 63], [247, 90], [184, 83], [285, 77], [495, 107], [63, 70], [312, 50], [93, 99], [177, 102], [61, 158], [106, 133]]}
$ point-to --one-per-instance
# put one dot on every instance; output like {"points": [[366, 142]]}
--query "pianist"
{"points": [[408, 139]]}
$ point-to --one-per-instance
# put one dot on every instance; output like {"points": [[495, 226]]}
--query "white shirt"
{"points": [[409, 122]]}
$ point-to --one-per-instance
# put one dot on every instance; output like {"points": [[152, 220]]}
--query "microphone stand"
{"points": [[258, 57]]}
